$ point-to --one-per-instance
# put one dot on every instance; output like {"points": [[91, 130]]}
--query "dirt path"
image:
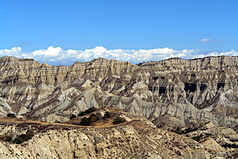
{"points": [[25, 121]]}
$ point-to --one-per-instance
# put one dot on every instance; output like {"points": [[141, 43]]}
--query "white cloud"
{"points": [[56, 55], [206, 40], [51, 51], [13, 52]]}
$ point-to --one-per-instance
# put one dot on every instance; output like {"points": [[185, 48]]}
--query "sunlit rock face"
{"points": [[132, 140], [199, 90]]}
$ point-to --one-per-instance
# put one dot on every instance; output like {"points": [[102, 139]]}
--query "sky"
{"points": [[65, 31]]}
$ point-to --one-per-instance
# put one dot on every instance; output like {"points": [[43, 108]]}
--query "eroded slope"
{"points": [[200, 89]]}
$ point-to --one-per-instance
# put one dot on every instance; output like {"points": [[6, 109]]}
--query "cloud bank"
{"points": [[58, 56], [206, 40]]}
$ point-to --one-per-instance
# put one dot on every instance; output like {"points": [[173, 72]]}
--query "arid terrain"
{"points": [[136, 137], [173, 108]]}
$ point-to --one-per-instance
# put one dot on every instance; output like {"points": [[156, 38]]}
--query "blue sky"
{"points": [[206, 26]]}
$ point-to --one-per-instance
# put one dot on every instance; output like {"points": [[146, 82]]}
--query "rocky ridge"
{"points": [[199, 89], [135, 138]]}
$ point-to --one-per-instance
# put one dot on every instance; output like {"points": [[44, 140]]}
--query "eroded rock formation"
{"points": [[200, 89]]}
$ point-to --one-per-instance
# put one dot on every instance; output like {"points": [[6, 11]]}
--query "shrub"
{"points": [[11, 115], [107, 115], [72, 116], [197, 138], [233, 145], [24, 137], [88, 121], [88, 111], [234, 140], [94, 117], [84, 121], [185, 131], [118, 120], [8, 138]]}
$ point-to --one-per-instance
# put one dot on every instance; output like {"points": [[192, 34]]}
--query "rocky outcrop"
{"points": [[199, 89], [136, 137], [131, 140]]}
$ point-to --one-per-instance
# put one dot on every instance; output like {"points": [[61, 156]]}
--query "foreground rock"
{"points": [[136, 137], [133, 140]]}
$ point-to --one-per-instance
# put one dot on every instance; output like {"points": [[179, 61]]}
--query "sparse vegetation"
{"points": [[107, 115], [23, 137], [72, 116], [94, 117], [233, 145], [20, 138], [87, 121], [185, 131], [8, 138], [84, 121], [88, 111], [118, 120], [11, 115], [197, 138], [234, 140]]}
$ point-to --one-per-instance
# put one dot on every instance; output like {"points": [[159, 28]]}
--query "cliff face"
{"points": [[189, 90]]}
